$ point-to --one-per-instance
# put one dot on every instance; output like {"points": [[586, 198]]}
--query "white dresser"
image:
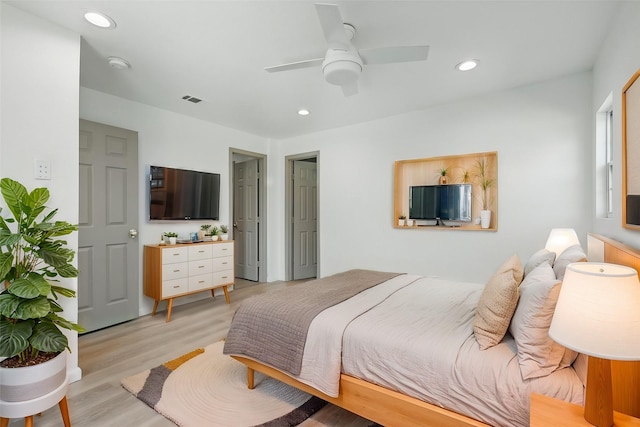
{"points": [[172, 271]]}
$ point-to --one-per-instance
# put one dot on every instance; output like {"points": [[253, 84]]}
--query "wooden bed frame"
{"points": [[390, 408]]}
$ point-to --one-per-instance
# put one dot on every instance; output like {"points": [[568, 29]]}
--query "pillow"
{"points": [[571, 254], [538, 354], [497, 303], [540, 257]]}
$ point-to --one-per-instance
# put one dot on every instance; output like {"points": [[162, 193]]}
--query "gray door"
{"points": [[107, 249], [305, 219], [246, 221]]}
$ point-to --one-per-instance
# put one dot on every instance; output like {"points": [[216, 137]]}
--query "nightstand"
{"points": [[547, 411]]}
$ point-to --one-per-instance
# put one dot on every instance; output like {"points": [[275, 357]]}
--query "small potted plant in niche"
{"points": [[444, 179], [173, 237], [31, 259], [224, 232], [401, 220]]}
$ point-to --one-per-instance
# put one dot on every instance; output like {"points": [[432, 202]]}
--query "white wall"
{"points": [[39, 103], [618, 60], [174, 140], [542, 134]]}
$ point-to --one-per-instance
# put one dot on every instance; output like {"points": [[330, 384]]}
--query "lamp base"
{"points": [[598, 405]]}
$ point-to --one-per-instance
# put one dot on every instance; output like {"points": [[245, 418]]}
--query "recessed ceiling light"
{"points": [[118, 63], [100, 20], [467, 65], [303, 112]]}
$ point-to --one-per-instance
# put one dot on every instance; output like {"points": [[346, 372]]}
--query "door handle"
{"points": [[235, 225], [133, 233]]}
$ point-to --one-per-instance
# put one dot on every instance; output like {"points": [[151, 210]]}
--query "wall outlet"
{"points": [[41, 169]]}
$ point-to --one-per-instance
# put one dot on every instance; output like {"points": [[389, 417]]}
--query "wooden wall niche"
{"points": [[631, 153], [461, 169]]}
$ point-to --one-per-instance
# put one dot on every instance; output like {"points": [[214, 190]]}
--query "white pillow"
{"points": [[497, 303], [573, 253], [540, 257], [538, 354]]}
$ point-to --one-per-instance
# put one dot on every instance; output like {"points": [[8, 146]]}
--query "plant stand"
{"points": [[33, 407]]}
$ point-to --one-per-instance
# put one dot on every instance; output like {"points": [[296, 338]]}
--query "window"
{"points": [[604, 184]]}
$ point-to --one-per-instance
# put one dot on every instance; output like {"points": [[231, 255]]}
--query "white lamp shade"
{"points": [[598, 311], [560, 239]]}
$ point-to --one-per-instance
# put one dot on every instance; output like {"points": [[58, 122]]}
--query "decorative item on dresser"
{"points": [[175, 271]]}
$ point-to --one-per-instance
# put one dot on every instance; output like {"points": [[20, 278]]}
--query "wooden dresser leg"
{"points": [[155, 307], [4, 422], [213, 295], [64, 410], [28, 421], [226, 294], [250, 379], [169, 307]]}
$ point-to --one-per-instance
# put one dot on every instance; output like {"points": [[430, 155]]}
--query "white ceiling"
{"points": [[217, 51]]}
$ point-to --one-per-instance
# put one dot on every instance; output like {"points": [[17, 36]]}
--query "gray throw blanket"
{"points": [[272, 328]]}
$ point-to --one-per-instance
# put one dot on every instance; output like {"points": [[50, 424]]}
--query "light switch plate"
{"points": [[42, 169]]}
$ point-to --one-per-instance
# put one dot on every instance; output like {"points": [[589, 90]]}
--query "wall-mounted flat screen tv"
{"points": [[180, 194], [446, 202]]}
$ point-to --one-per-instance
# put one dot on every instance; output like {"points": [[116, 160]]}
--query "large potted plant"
{"points": [[485, 182], [32, 258]]}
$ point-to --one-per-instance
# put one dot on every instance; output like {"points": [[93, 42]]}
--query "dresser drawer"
{"points": [[175, 271], [202, 266], [222, 263], [222, 249], [203, 281], [173, 255], [174, 287], [222, 277], [200, 252]]}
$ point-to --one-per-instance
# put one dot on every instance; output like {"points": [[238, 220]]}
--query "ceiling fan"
{"points": [[343, 63]]}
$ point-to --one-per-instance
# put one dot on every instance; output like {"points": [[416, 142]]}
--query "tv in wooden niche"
{"points": [[440, 203], [181, 194]]}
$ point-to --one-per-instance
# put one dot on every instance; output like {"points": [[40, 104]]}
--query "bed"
{"points": [[408, 350]]}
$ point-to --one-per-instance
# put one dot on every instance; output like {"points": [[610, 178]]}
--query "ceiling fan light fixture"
{"points": [[100, 20], [341, 67], [467, 65]]}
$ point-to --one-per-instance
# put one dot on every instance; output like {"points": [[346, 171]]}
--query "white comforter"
{"points": [[415, 335]]}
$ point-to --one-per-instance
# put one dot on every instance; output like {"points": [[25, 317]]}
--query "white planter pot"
{"points": [[485, 219], [33, 389], [224, 237], [409, 223], [401, 222], [173, 240]]}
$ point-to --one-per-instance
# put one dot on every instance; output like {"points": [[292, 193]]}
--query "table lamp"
{"points": [[560, 239], [598, 314]]}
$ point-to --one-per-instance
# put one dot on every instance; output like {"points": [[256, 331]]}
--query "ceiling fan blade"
{"points": [[350, 89], [309, 63], [332, 26], [388, 55]]}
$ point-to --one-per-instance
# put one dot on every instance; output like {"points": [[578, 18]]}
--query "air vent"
{"points": [[191, 99]]}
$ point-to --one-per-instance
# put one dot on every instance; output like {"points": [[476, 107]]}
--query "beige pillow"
{"points": [[497, 303], [573, 253], [538, 354], [540, 257]]}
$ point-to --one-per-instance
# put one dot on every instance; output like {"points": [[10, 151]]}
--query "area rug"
{"points": [[207, 388]]}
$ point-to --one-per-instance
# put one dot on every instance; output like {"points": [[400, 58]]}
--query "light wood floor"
{"points": [[108, 355]]}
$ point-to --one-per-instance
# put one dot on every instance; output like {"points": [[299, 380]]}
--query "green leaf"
{"points": [[30, 287], [9, 304], [33, 308], [14, 337], [6, 261], [47, 337], [69, 293], [64, 323], [13, 193], [67, 270], [39, 197]]}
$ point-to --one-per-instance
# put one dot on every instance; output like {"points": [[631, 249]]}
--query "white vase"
{"points": [[33, 389], [485, 218]]}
